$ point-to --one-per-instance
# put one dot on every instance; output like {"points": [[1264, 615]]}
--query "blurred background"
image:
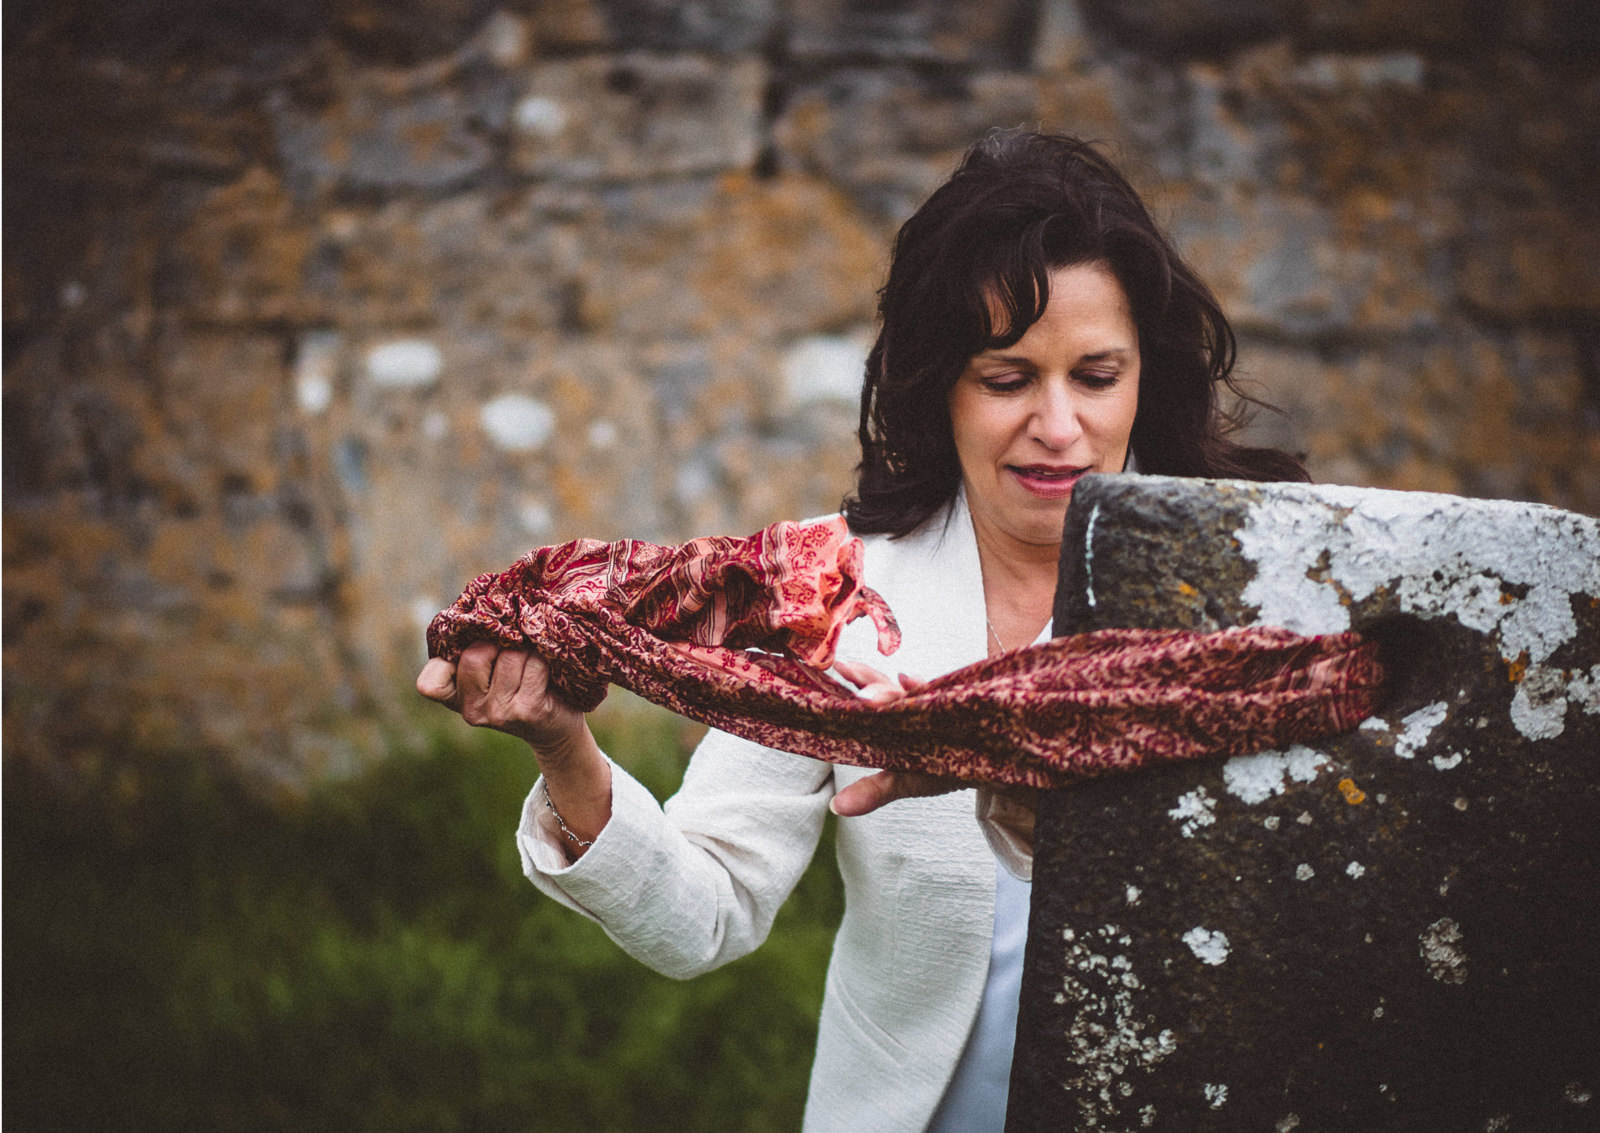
{"points": [[314, 310]]}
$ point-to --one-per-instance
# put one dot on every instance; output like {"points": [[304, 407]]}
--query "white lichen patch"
{"points": [[1584, 691], [1447, 762], [1210, 946], [1539, 706], [1216, 1095], [1506, 569], [1304, 872], [1195, 809], [1255, 778], [1417, 727], [1109, 1037], [1441, 950], [1355, 870]]}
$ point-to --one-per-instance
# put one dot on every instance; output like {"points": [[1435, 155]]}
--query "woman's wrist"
{"points": [[576, 791], [571, 747]]}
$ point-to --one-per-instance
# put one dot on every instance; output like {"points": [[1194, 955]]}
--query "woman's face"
{"points": [[1030, 419]]}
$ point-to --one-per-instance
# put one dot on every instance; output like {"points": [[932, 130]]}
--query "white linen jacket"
{"points": [[696, 884]]}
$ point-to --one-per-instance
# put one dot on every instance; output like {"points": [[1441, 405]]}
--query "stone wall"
{"points": [[315, 310]]}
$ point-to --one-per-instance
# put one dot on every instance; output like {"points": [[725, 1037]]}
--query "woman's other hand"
{"points": [[873, 685], [866, 795], [882, 787]]}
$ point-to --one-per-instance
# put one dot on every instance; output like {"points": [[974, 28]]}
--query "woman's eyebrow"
{"points": [[1110, 354], [1013, 359]]}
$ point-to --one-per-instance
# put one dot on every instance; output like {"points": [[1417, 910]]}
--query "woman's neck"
{"points": [[1019, 588]]}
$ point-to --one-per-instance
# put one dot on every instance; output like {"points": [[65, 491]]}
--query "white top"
{"points": [[976, 1099]]}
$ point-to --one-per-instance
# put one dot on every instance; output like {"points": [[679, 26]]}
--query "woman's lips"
{"points": [[1046, 481]]}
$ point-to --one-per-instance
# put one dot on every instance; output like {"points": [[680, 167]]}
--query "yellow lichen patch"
{"points": [[1352, 793], [1187, 591], [1516, 670]]}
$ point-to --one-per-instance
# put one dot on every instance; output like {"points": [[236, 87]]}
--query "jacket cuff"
{"points": [[607, 865]]}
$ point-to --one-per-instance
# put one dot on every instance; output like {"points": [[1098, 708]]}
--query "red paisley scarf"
{"points": [[736, 633]]}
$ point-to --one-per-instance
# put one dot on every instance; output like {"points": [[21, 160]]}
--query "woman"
{"points": [[1036, 327]]}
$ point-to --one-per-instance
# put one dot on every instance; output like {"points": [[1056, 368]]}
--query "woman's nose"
{"points": [[1055, 422]]}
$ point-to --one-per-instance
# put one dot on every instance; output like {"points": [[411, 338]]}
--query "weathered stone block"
{"points": [[1534, 264], [1391, 930], [638, 115], [751, 259], [1189, 26], [390, 129], [1481, 414], [893, 136], [670, 25], [240, 256], [1000, 33]]}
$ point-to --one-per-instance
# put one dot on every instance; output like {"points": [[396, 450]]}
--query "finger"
{"points": [[910, 684], [479, 658], [870, 684], [859, 674], [520, 691], [475, 670], [868, 794], [437, 681], [509, 667]]}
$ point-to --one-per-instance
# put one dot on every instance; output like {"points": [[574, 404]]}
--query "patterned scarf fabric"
{"points": [[736, 633]]}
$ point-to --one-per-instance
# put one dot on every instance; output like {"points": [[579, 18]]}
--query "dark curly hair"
{"points": [[1020, 206]]}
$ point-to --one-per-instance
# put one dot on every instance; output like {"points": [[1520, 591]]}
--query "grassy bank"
{"points": [[181, 955]]}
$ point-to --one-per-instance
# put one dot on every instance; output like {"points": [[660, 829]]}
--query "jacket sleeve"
{"points": [[693, 885]]}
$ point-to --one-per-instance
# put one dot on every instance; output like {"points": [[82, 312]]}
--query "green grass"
{"points": [[182, 955]]}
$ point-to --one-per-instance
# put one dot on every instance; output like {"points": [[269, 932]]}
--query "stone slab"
{"points": [[1395, 929]]}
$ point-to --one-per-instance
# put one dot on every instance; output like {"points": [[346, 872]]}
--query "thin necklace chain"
{"points": [[984, 590]]}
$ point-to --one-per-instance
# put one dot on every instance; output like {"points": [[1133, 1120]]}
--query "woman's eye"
{"points": [[1098, 379], [1005, 383]]}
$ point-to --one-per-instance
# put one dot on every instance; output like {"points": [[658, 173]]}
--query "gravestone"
{"points": [[1393, 929]]}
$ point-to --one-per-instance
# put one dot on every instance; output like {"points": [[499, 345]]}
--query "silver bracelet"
{"points": [[561, 822]]}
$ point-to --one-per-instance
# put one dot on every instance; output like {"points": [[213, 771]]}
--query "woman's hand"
{"points": [[866, 795], [509, 690], [882, 787]]}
